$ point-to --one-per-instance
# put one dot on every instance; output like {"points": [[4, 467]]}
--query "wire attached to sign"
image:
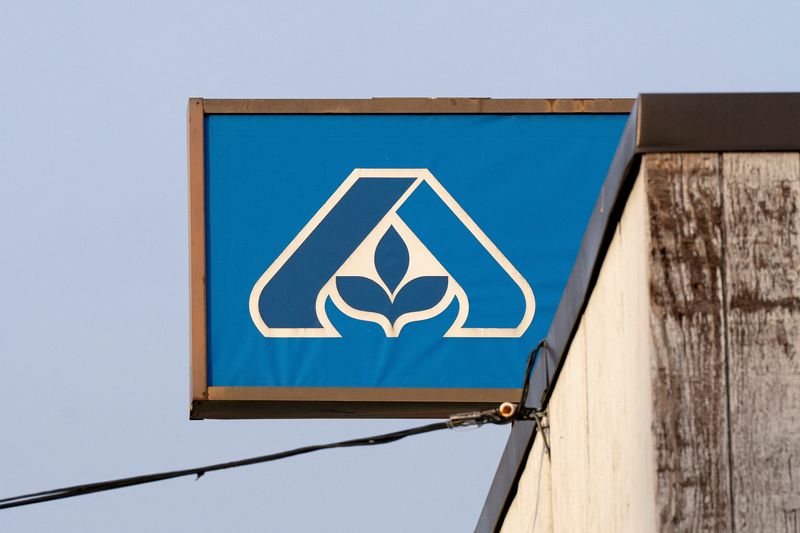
{"points": [[524, 412], [494, 416], [503, 414]]}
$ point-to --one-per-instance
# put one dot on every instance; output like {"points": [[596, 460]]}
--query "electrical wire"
{"points": [[527, 382], [461, 420], [502, 415], [526, 413]]}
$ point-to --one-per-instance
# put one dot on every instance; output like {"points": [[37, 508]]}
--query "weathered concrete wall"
{"points": [[678, 407]]}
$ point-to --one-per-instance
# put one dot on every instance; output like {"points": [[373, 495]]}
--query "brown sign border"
{"points": [[332, 402]]}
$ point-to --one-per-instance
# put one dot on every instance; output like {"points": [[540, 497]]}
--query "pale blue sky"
{"points": [[93, 248]]}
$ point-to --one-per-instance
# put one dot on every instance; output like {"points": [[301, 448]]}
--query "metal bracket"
{"points": [[542, 424], [503, 414]]}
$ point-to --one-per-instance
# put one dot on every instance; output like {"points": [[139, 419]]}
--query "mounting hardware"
{"points": [[541, 424], [507, 410]]}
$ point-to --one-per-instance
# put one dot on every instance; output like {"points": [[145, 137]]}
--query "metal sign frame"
{"points": [[332, 402]]}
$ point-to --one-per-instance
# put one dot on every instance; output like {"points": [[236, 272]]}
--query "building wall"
{"points": [[678, 406]]}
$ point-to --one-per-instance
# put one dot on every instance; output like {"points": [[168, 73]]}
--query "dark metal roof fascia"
{"points": [[718, 122], [657, 123]]}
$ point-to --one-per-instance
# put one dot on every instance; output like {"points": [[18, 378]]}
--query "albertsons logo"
{"points": [[359, 252]]}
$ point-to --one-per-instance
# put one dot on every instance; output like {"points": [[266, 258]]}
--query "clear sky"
{"points": [[93, 232]]}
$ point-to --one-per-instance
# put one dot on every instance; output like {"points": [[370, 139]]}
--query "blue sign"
{"points": [[392, 251]]}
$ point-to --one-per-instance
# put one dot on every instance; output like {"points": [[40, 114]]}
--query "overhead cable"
{"points": [[505, 413], [493, 416]]}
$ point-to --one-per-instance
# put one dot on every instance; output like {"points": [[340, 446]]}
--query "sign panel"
{"points": [[382, 259]]}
